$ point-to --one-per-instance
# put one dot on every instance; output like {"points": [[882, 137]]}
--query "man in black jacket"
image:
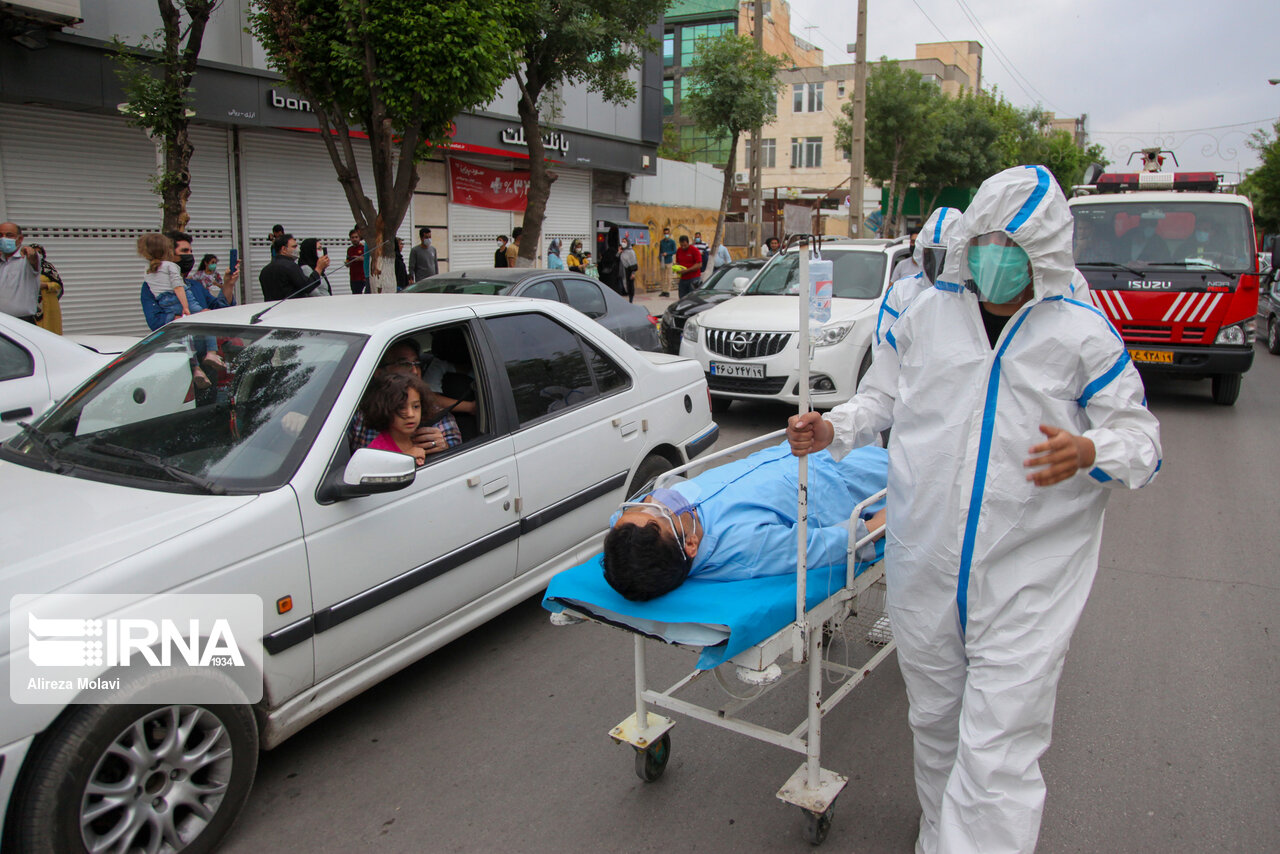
{"points": [[283, 277]]}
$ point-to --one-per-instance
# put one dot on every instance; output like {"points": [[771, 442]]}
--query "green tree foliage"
{"points": [[398, 69], [732, 90], [902, 130], [1262, 185], [966, 150], [156, 77], [671, 147], [594, 43]]}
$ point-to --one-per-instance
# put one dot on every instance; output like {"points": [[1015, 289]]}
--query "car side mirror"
{"points": [[370, 472], [740, 284]]}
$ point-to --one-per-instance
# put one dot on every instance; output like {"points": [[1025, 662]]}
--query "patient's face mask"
{"points": [[1000, 268]]}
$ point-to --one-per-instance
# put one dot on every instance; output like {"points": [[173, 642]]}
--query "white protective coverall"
{"points": [[900, 293], [988, 573]]}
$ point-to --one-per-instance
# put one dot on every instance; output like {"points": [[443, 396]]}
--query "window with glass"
{"points": [[198, 408], [858, 275], [585, 297], [15, 361], [549, 367], [668, 97], [768, 154], [839, 88], [704, 148], [691, 36], [668, 50], [806, 152], [806, 97]]}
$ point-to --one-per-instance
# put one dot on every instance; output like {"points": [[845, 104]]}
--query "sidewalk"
{"points": [[654, 303]]}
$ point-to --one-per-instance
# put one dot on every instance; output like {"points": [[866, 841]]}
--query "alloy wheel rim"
{"points": [[158, 784]]}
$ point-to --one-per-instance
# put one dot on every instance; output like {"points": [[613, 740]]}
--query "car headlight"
{"points": [[1237, 334], [833, 334], [690, 333]]}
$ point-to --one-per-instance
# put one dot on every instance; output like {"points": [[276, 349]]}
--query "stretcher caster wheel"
{"points": [[652, 760], [818, 824]]}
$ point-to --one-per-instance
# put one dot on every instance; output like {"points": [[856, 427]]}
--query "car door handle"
{"points": [[628, 428], [15, 414], [494, 486]]}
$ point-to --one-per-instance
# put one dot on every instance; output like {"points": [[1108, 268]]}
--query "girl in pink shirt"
{"points": [[394, 405]]}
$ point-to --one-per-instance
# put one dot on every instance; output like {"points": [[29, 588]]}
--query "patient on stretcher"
{"points": [[739, 521]]}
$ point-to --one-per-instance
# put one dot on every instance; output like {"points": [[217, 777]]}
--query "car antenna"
{"points": [[258, 316]]}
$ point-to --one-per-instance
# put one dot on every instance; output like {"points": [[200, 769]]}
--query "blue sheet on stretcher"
{"points": [[722, 617]]}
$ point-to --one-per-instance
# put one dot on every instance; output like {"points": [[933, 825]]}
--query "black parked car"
{"points": [[1269, 312], [630, 322], [718, 288]]}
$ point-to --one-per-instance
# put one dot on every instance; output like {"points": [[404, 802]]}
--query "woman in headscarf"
{"points": [[48, 306], [610, 264], [554, 261], [308, 256], [575, 262], [630, 264]]}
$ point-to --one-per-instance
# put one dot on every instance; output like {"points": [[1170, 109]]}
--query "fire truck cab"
{"points": [[1170, 260]]}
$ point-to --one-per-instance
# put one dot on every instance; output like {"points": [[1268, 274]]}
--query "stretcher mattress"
{"points": [[722, 617]]}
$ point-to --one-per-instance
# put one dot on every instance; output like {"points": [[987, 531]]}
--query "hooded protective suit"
{"points": [[899, 294], [988, 573]]}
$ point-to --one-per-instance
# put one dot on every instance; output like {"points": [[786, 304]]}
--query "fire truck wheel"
{"points": [[1226, 388], [1273, 336]]}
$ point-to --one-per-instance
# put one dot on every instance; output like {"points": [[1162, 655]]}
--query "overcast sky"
{"points": [[1174, 73]]}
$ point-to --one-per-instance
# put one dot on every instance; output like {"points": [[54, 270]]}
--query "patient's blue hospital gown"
{"points": [[749, 510]]}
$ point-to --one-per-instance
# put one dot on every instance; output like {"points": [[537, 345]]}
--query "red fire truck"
{"points": [[1170, 260]]}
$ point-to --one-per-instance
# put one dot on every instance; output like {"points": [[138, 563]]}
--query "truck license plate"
{"points": [[752, 372], [1159, 357]]}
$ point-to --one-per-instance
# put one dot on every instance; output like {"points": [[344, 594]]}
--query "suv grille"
{"points": [[745, 345]]}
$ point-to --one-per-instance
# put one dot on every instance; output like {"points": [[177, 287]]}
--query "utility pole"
{"points": [[754, 203], [857, 148]]}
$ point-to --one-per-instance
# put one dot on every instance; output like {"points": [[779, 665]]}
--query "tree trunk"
{"points": [[175, 183], [540, 178], [891, 217], [725, 195]]}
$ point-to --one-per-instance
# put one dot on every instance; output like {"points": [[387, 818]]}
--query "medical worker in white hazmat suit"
{"points": [[1014, 409], [930, 251]]}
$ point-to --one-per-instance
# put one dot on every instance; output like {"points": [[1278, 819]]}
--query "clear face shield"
{"points": [[657, 511], [931, 260]]}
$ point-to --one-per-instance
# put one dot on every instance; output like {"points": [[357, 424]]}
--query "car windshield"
{"points": [[858, 275], [1164, 235], [454, 285], [722, 279], [197, 408]]}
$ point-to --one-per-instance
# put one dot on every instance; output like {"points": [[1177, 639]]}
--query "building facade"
{"points": [[77, 178]]}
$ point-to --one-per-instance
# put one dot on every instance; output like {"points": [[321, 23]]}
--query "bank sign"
{"points": [[114, 648]]}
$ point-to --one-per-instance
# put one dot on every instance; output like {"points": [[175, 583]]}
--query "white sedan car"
{"points": [[749, 346], [38, 367], [170, 473]]}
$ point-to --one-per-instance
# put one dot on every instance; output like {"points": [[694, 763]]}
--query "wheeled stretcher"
{"points": [[768, 629]]}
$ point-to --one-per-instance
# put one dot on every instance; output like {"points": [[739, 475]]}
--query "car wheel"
{"points": [[720, 405], [652, 466], [863, 368], [144, 777], [1226, 388], [1273, 336]]}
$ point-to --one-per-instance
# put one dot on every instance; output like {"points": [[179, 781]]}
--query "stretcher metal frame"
{"points": [[812, 788]]}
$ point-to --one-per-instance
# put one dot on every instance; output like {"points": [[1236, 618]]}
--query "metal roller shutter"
{"points": [[473, 235], [288, 179], [79, 184], [568, 214]]}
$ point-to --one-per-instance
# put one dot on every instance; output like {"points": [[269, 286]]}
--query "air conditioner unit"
{"points": [[739, 177]]}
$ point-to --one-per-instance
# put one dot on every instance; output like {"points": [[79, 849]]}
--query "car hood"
{"points": [[59, 529], [777, 313], [699, 301]]}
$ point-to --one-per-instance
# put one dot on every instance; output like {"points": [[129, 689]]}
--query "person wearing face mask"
{"points": [[931, 249], [206, 287], [630, 264], [283, 278], [19, 274], [1015, 410], [1145, 243]]}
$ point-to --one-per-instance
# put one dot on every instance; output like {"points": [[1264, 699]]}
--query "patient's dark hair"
{"points": [[641, 564]]}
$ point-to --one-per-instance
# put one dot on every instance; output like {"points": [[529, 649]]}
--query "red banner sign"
{"points": [[482, 187]]}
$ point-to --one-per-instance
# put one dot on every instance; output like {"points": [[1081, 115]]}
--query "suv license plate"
{"points": [[1160, 357], [752, 372]]}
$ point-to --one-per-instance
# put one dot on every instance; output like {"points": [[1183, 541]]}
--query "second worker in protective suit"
{"points": [[1014, 409], [929, 254]]}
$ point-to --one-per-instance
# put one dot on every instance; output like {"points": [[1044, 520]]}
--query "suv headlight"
{"points": [[1236, 334], [833, 334], [690, 332]]}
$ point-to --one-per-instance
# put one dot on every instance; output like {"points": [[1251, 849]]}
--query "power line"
{"points": [[945, 37], [1018, 77], [1188, 130]]}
